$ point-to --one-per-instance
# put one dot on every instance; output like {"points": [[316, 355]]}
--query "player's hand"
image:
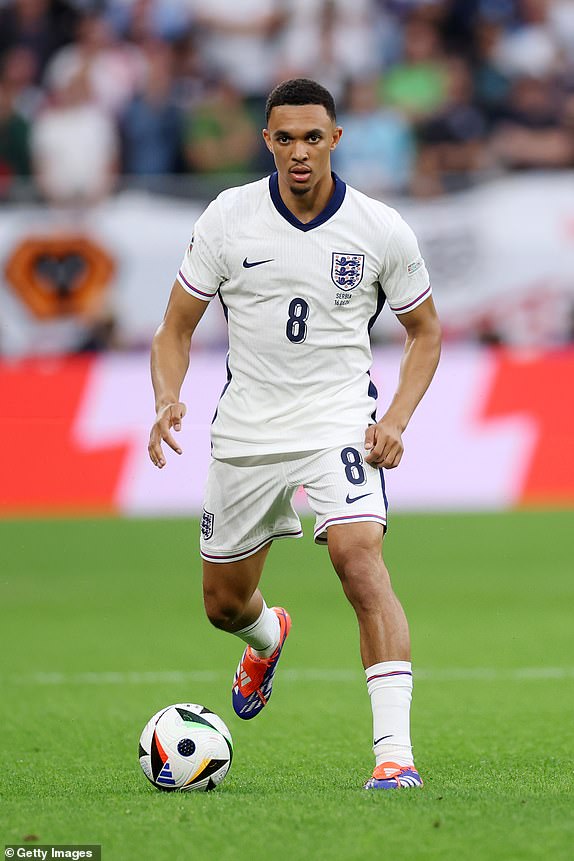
{"points": [[168, 417], [384, 444]]}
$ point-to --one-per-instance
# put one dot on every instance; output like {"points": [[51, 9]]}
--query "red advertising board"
{"points": [[495, 430]]}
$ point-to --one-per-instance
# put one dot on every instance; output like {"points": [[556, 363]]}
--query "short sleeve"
{"points": [[203, 269], [404, 277]]}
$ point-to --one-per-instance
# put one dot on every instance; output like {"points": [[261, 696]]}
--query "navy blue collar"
{"points": [[333, 205]]}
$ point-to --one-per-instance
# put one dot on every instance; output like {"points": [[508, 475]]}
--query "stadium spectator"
{"points": [[151, 125], [115, 69], [39, 25], [14, 145], [330, 40], [491, 85], [452, 141], [237, 41], [534, 132], [457, 20], [18, 74], [561, 22], [74, 146], [220, 134], [138, 21], [530, 47], [190, 82], [417, 86], [379, 146]]}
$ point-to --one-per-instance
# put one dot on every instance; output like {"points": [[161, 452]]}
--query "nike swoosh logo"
{"points": [[248, 265], [382, 738], [355, 498]]}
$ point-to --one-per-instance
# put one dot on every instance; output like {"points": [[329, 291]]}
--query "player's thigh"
{"points": [[364, 538], [356, 548]]}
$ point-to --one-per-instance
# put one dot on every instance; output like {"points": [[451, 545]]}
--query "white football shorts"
{"points": [[249, 501]]}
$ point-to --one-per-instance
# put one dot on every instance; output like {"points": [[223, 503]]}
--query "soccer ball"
{"points": [[185, 747]]}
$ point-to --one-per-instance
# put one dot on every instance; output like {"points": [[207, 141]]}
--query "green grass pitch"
{"points": [[102, 625]]}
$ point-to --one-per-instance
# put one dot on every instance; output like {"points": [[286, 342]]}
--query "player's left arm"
{"points": [[383, 440]]}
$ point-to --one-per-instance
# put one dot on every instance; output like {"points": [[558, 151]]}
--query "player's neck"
{"points": [[306, 207]]}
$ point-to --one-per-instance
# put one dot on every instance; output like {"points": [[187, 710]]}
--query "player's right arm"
{"points": [[169, 363]]}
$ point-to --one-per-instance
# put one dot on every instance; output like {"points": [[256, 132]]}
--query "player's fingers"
{"points": [[392, 455], [176, 414], [385, 453], [376, 453], [169, 440], [392, 461], [155, 451], [373, 457], [370, 435]]}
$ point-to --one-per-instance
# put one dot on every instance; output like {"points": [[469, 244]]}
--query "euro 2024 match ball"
{"points": [[185, 747]]}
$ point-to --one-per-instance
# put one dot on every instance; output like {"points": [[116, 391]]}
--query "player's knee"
{"points": [[222, 610], [354, 562]]}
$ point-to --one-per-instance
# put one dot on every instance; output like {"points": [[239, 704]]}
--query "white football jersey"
{"points": [[300, 300]]}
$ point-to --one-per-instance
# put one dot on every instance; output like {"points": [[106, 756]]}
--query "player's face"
{"points": [[301, 138]]}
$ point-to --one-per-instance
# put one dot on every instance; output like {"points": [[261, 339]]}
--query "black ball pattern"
{"points": [[186, 747]]}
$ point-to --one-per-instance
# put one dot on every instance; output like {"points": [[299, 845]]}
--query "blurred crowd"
{"points": [[432, 94]]}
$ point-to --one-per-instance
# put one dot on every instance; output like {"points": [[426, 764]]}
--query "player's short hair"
{"points": [[300, 91]]}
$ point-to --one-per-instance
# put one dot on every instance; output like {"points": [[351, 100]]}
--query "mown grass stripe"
{"points": [[447, 674]]}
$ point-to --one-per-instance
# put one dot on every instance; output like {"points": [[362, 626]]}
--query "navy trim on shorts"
{"points": [[244, 554], [343, 518]]}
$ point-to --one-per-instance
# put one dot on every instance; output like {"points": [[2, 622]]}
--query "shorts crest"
{"points": [[207, 524], [347, 270]]}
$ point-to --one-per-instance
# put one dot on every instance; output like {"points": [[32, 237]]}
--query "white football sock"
{"points": [[263, 634], [390, 686]]}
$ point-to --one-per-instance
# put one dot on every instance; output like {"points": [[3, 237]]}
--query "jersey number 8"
{"points": [[296, 329]]}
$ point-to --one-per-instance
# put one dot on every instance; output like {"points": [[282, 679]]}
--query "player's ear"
{"points": [[267, 139], [338, 131]]}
